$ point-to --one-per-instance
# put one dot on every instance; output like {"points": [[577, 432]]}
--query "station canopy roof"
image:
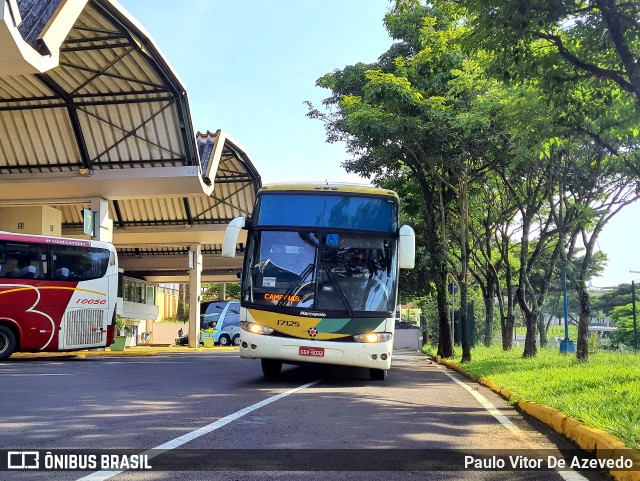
{"points": [[90, 108]]}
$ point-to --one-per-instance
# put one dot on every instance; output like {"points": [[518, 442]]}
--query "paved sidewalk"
{"points": [[128, 351]]}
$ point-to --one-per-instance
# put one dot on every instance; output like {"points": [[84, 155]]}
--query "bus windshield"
{"points": [[343, 272], [327, 210]]}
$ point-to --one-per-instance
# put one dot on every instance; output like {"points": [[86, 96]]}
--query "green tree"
{"points": [[387, 113], [582, 57], [563, 40], [597, 185], [587, 47], [606, 302], [624, 334], [212, 291], [182, 311]]}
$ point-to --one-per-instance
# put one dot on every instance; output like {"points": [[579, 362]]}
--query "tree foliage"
{"points": [[510, 130]]}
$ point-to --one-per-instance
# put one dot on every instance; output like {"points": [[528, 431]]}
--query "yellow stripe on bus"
{"points": [[19, 289], [296, 326]]}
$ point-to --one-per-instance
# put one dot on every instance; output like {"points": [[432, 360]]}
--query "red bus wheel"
{"points": [[7, 342]]}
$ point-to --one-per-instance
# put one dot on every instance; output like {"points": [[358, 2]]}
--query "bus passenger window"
{"points": [[21, 261]]}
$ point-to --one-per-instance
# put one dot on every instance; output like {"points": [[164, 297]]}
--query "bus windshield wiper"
{"points": [[298, 283], [343, 298]]}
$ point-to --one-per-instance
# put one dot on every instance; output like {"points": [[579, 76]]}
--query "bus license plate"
{"points": [[311, 351]]}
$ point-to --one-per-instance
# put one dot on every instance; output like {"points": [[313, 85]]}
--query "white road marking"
{"points": [[567, 475], [179, 441], [490, 407]]}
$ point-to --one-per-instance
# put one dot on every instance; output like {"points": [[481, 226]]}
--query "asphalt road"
{"points": [[322, 423]]}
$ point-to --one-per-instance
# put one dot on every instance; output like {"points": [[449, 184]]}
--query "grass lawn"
{"points": [[605, 393]]}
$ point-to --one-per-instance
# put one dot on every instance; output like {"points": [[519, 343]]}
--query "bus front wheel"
{"points": [[7, 342], [271, 368], [378, 374], [224, 340]]}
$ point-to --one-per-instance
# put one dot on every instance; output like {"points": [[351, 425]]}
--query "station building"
{"points": [[94, 118]]}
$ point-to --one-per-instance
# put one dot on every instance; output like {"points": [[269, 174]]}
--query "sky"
{"points": [[248, 67]]}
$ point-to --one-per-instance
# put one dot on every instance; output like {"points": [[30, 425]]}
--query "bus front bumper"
{"points": [[291, 350]]}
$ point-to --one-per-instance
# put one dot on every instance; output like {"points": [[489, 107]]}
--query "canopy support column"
{"points": [[195, 288], [104, 225]]}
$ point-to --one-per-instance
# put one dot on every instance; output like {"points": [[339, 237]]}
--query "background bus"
{"points": [[56, 294], [320, 276]]}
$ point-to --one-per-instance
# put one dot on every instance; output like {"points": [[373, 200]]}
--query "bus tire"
{"points": [[378, 374], [7, 342], [224, 340], [236, 340], [271, 368]]}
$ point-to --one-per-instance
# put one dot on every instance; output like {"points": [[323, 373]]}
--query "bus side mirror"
{"points": [[407, 248], [231, 236]]}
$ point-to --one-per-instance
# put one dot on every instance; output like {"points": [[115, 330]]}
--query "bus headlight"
{"points": [[254, 328], [372, 337]]}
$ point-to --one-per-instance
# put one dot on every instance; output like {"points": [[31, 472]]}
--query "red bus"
{"points": [[56, 294]]}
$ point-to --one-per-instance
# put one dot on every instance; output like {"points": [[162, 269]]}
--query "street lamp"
{"points": [[566, 345]]}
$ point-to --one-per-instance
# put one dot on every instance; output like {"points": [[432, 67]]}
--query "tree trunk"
{"points": [[526, 295], [436, 245], [530, 345], [488, 326], [445, 343], [181, 308], [542, 331], [582, 346], [507, 335], [464, 322], [464, 269], [508, 320]]}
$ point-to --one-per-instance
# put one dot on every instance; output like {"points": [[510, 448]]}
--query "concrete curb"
{"points": [[604, 445], [128, 352]]}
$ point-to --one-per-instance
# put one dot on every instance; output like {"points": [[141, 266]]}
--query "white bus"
{"points": [[320, 276], [56, 294]]}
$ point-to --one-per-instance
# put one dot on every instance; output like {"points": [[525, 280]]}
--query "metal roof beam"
{"points": [[224, 201], [107, 37], [187, 210], [132, 132], [112, 75], [158, 223], [73, 117], [116, 209], [125, 94], [164, 71], [96, 47]]}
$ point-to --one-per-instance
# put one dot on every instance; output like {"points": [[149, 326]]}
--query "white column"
{"points": [[104, 225], [195, 287], [223, 291]]}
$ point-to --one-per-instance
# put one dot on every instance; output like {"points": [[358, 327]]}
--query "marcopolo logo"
{"points": [[23, 460]]}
